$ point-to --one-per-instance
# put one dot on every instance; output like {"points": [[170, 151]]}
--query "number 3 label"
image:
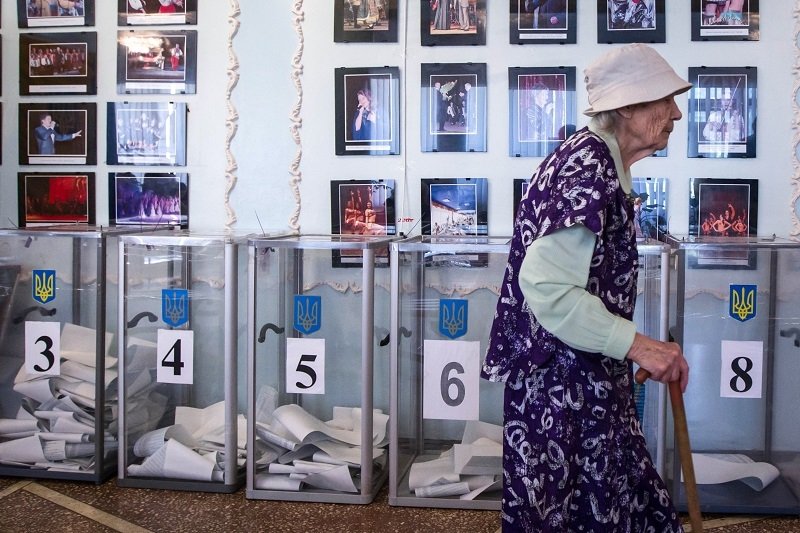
{"points": [[175, 356], [305, 366], [43, 348], [450, 380], [742, 365]]}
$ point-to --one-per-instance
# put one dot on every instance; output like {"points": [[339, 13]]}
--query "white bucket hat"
{"points": [[632, 74]]}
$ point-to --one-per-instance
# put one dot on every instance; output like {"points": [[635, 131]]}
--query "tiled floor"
{"points": [[32, 506]]}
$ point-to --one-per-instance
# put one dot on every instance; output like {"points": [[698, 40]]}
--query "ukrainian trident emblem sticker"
{"points": [[453, 318], [307, 313], [43, 286], [174, 306], [743, 302]]}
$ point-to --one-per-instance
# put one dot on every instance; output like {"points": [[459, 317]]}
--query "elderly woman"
{"points": [[574, 457]]}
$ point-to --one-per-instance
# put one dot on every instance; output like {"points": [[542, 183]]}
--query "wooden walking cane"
{"points": [[684, 449]]}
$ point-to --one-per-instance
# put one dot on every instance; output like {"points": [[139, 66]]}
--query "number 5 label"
{"points": [[175, 353], [450, 380], [305, 366], [43, 348], [742, 366]]}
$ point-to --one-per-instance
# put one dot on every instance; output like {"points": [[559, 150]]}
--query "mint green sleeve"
{"points": [[553, 278]]}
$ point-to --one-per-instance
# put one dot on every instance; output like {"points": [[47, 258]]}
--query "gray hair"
{"points": [[605, 120]]}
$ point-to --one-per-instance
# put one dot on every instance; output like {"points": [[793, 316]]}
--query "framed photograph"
{"points": [[155, 12], [721, 210], [649, 197], [542, 22], [58, 63], [151, 198], [631, 21], [367, 111], [58, 134], [453, 107], [455, 206], [361, 207], [146, 133], [729, 20], [520, 189], [722, 112], [55, 13], [541, 109], [365, 21], [452, 22], [45, 199], [157, 62]]}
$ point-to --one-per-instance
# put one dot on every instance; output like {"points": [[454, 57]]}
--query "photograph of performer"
{"points": [[368, 107], [631, 14], [151, 199], [546, 14], [725, 123], [724, 13], [155, 57], [453, 17], [41, 9], [363, 209], [64, 59], [365, 118], [543, 119], [56, 199], [149, 7], [454, 104], [48, 133]]}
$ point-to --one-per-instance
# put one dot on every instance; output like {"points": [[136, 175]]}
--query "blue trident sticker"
{"points": [[742, 305], [453, 318], [43, 286], [174, 306], [307, 313]]}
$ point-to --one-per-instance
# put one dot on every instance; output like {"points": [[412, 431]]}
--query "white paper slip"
{"points": [[337, 478], [428, 473], [478, 459], [721, 468], [277, 482], [152, 441], [174, 460], [27, 450], [438, 491]]}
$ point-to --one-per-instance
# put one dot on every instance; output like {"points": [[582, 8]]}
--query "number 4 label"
{"points": [[450, 380], [43, 348], [305, 366], [742, 366], [175, 353]]}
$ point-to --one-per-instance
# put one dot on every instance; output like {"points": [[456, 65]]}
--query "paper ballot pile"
{"points": [[296, 450], [55, 425]]}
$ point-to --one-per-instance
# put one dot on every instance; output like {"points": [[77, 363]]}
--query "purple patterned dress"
{"points": [[574, 457]]}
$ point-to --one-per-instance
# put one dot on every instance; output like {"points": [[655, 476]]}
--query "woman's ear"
{"points": [[625, 112]]}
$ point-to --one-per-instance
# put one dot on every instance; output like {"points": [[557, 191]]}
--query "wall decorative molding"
{"points": [[294, 116], [232, 119]]}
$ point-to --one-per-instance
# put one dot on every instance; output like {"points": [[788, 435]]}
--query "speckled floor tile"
{"points": [[23, 511]]}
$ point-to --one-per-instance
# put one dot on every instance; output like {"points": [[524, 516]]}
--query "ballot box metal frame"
{"points": [[734, 258], [105, 464], [369, 247], [182, 243]]}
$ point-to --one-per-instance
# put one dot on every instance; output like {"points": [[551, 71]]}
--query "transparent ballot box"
{"points": [[318, 368], [180, 426], [736, 315], [446, 422], [58, 377]]}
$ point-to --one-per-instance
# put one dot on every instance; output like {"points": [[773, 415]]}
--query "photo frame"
{"points": [[149, 198], [367, 111], [43, 13], [453, 107], [57, 63], [722, 112], [454, 206], [541, 109], [146, 133], [723, 210], [538, 22], [520, 189], [69, 137], [621, 21], [152, 12], [45, 199], [737, 21], [445, 24], [650, 207], [153, 62], [365, 23], [361, 207]]}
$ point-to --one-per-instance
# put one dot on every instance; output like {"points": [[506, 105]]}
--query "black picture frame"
{"points": [[451, 118], [38, 14], [156, 12], [376, 88], [712, 22], [520, 188], [64, 147], [362, 26], [541, 109], [146, 133], [651, 203], [454, 206], [723, 210], [148, 62], [58, 63], [45, 199], [722, 112], [619, 21], [361, 207], [452, 34], [543, 22], [148, 198]]}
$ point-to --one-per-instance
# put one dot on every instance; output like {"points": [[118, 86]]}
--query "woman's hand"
{"points": [[664, 361]]}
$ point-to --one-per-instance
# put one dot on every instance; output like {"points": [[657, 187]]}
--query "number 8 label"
{"points": [[450, 380], [43, 348], [741, 369]]}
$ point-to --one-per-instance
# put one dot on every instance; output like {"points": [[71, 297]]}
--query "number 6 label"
{"points": [[450, 380], [742, 366], [43, 348], [305, 366], [175, 356]]}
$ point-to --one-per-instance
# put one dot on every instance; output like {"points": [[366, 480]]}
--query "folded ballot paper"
{"points": [[296, 450], [713, 468]]}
